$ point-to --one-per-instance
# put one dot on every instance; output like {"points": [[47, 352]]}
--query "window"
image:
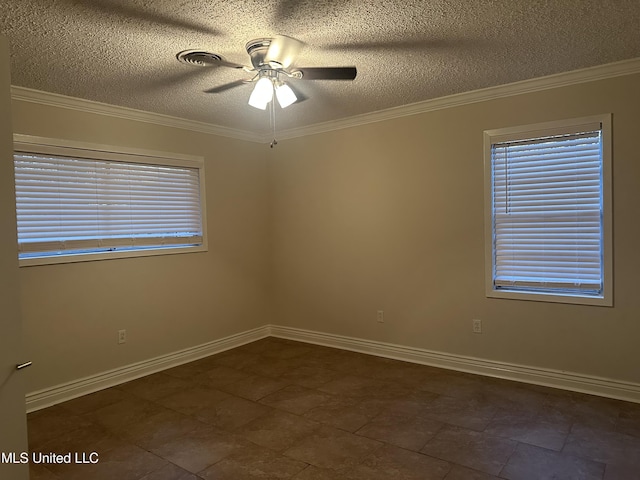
{"points": [[548, 211], [77, 202]]}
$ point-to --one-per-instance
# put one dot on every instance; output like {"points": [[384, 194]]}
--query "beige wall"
{"points": [[13, 425], [390, 216], [324, 230], [72, 312]]}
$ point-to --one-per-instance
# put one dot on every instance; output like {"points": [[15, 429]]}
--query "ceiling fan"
{"points": [[272, 62]]}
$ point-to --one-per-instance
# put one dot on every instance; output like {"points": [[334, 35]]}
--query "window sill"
{"points": [[602, 301], [112, 255]]}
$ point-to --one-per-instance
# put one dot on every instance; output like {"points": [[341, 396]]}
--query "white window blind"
{"points": [[76, 205], [547, 213]]}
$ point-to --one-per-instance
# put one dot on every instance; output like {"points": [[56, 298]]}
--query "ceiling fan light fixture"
{"points": [[285, 95], [262, 93]]}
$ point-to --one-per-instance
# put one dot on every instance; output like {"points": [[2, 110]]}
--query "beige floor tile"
{"points": [[463, 473], [278, 430], [356, 386], [404, 373], [333, 449], [123, 413], [188, 370], [254, 463], [270, 367], [45, 425], [322, 357], [414, 403], [617, 472], [472, 449], [90, 438], [295, 399], [287, 351], [549, 413], [199, 449], [154, 386], [409, 432], [391, 462], [529, 430], [314, 473], [254, 387], [345, 413], [359, 364], [218, 376], [123, 462], [158, 428], [629, 422], [463, 412], [290, 410], [605, 446], [40, 472], [309, 376], [207, 363], [509, 395], [535, 463], [194, 399], [586, 410], [453, 384], [232, 412], [170, 472], [94, 401]]}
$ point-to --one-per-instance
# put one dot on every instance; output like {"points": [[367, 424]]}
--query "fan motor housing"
{"points": [[257, 50]]}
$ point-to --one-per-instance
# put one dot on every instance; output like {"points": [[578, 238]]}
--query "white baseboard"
{"points": [[577, 382], [67, 391]]}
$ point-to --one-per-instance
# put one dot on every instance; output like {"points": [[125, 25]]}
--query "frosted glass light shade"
{"points": [[262, 93], [285, 95]]}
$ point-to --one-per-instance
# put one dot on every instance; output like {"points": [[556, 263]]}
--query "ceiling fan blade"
{"points": [[298, 11], [226, 86], [224, 63], [155, 81], [143, 14], [282, 51], [286, 10], [328, 73], [390, 45], [415, 44]]}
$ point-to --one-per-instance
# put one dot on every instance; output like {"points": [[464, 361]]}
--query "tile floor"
{"points": [[277, 409]]}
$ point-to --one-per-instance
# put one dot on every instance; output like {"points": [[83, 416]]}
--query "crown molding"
{"points": [[574, 77], [89, 106]]}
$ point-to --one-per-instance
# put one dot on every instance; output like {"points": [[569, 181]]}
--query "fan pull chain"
{"points": [[273, 123]]}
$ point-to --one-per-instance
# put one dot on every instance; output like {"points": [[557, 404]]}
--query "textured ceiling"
{"points": [[123, 52]]}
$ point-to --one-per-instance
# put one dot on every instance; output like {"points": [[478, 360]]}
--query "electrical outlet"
{"points": [[122, 336], [380, 316], [477, 326]]}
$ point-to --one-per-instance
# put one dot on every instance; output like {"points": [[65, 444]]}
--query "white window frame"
{"points": [[536, 131], [51, 146]]}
